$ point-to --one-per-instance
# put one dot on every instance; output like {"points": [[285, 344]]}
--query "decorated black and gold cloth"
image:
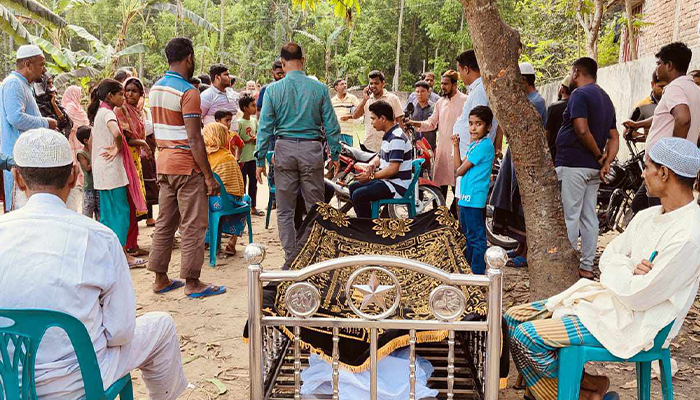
{"points": [[432, 238]]}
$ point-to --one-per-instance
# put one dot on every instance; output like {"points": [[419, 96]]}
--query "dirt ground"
{"points": [[216, 359]]}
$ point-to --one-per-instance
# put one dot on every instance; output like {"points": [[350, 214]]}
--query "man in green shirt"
{"points": [[297, 110]]}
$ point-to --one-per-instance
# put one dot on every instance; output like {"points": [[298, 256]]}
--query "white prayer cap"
{"points": [[526, 68], [42, 148], [679, 155], [28, 50]]}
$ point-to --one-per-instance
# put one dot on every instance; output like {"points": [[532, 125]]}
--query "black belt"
{"points": [[318, 139]]}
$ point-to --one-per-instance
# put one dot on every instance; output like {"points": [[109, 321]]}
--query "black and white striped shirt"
{"points": [[396, 147]]}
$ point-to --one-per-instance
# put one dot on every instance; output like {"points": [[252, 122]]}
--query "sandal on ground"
{"points": [[138, 263], [512, 254], [258, 213], [209, 291], [611, 396], [517, 262], [582, 273], [229, 252], [148, 223], [138, 252], [174, 284]]}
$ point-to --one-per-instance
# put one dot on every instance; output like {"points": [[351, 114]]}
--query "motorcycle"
{"points": [[429, 194], [616, 194]]}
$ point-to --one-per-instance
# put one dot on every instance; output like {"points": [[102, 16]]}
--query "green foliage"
{"points": [[339, 38]]}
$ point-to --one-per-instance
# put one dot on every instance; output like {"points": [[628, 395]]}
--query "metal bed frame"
{"points": [[268, 347]]}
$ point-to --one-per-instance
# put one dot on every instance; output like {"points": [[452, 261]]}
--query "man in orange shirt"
{"points": [[184, 174]]}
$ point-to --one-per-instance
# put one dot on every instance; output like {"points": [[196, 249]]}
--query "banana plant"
{"points": [[13, 12], [327, 45]]}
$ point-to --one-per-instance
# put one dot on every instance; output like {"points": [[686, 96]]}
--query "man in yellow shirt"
{"points": [[344, 104]]}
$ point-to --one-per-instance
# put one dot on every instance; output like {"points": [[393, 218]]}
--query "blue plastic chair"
{"points": [[271, 185], [573, 358], [227, 209], [25, 334], [409, 198]]}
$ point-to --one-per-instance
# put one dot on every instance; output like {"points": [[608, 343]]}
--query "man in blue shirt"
{"points": [[586, 145], [18, 109], [296, 110]]}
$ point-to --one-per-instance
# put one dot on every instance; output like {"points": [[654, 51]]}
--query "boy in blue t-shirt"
{"points": [[475, 173]]}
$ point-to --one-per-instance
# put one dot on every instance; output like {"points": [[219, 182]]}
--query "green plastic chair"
{"points": [[409, 198], [573, 358], [227, 208], [25, 334], [271, 185]]}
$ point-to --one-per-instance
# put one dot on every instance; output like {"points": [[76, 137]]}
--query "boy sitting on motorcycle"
{"points": [[389, 175]]}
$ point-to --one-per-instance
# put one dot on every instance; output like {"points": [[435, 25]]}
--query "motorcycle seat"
{"points": [[359, 155]]}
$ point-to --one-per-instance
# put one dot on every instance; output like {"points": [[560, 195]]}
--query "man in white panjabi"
{"points": [[635, 298], [54, 258]]}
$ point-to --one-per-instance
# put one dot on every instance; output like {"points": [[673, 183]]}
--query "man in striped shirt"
{"points": [[184, 174], [394, 163]]}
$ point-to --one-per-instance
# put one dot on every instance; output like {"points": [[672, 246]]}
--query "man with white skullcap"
{"points": [[649, 279], [18, 109], [53, 258]]}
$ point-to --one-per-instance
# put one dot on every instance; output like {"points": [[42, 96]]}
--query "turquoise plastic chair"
{"points": [[409, 198], [25, 334], [271, 185], [573, 358], [227, 209]]}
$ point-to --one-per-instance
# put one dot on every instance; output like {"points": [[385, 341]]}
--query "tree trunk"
{"points": [[204, 43], [461, 35], [631, 36], [221, 32], [397, 67], [553, 262], [352, 34], [591, 26]]}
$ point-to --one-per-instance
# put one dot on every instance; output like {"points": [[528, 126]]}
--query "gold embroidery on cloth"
{"points": [[444, 217], [336, 216], [392, 227]]}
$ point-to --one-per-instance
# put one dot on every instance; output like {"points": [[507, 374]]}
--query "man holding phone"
{"points": [[373, 93]]}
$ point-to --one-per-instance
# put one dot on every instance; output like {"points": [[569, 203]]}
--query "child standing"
{"points": [[248, 129], [91, 199], [475, 173], [235, 143]]}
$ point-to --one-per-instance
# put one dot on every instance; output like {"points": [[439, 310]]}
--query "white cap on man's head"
{"points": [[42, 148], [28, 50], [526, 68], [680, 156]]}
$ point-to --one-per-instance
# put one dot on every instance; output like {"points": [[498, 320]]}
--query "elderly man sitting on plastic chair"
{"points": [[393, 166], [54, 258], [649, 278]]}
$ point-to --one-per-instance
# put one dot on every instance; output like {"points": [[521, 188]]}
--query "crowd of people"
{"points": [[186, 142]]}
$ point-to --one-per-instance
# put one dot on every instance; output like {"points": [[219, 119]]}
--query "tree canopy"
{"points": [[105, 34]]}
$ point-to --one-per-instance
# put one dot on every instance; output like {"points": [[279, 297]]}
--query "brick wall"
{"points": [[661, 15]]}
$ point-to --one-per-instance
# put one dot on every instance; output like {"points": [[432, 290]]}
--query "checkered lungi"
{"points": [[534, 339]]}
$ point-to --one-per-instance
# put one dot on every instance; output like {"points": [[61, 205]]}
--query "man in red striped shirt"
{"points": [[184, 174]]}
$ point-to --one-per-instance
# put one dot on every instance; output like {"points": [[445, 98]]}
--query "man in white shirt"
{"points": [[220, 95], [649, 279], [80, 271], [375, 92]]}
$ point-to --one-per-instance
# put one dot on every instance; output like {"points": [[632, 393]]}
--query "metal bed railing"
{"points": [[447, 303]]}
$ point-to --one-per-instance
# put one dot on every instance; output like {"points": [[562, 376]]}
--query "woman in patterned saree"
{"points": [[132, 120]]}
